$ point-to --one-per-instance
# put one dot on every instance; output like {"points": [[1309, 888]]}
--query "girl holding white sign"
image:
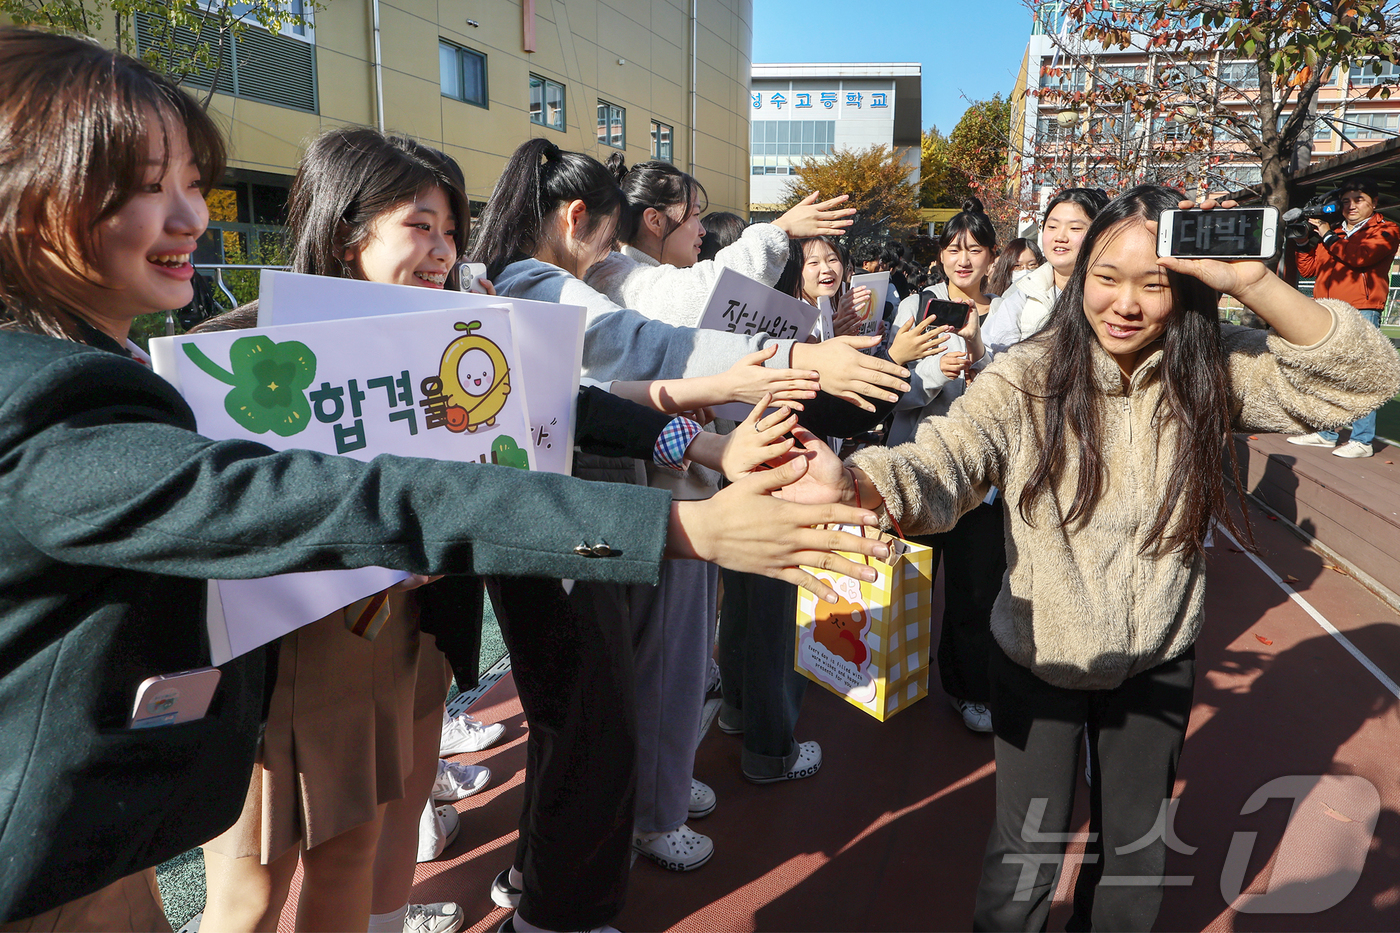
{"points": [[115, 513]]}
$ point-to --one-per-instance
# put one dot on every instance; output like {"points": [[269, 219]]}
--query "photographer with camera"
{"points": [[1349, 256]]}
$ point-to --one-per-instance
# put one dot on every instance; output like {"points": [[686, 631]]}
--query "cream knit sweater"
{"points": [[1080, 606]]}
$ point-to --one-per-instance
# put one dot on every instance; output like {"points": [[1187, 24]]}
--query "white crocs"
{"points": [[681, 849], [808, 763], [702, 799]]}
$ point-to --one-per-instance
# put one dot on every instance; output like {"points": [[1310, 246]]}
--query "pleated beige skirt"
{"points": [[339, 737]]}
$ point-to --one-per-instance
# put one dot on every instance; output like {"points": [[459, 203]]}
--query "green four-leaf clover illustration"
{"points": [[269, 383]]}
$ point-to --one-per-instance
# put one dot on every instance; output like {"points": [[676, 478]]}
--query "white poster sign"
{"points": [[741, 305], [440, 384], [548, 338], [874, 310]]}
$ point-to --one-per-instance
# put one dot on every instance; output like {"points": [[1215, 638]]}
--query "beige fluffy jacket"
{"points": [[1082, 606]]}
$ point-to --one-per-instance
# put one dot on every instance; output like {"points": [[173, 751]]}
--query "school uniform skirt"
{"points": [[339, 737]]}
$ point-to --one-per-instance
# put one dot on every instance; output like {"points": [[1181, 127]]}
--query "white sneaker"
{"points": [[1353, 450], [702, 799], [437, 828], [445, 917], [975, 716], [1312, 440], [462, 734], [681, 849], [457, 782]]}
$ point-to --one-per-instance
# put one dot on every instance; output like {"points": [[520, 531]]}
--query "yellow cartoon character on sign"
{"points": [[475, 380]]}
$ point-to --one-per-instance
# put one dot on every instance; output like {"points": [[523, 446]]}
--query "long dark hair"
{"points": [[351, 175], [658, 185], [75, 135], [1000, 278], [790, 282], [1195, 406], [538, 179]]}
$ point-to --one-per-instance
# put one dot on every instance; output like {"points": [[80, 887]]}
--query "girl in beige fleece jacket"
{"points": [[1105, 433]]}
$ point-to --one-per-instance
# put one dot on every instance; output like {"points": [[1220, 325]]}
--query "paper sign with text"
{"points": [[548, 339], [874, 310], [741, 305], [439, 384]]}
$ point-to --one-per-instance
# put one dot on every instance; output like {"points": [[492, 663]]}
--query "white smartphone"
{"points": [[1224, 233], [174, 698], [469, 276]]}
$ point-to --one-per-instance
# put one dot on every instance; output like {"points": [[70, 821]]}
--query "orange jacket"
{"points": [[1356, 268]]}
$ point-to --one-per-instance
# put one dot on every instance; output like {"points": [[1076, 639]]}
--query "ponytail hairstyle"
{"points": [[658, 185], [1194, 409], [538, 179], [790, 282], [76, 129], [351, 175], [1000, 278]]}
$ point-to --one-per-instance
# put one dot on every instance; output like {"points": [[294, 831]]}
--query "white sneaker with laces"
{"points": [[445, 917], [1353, 450], [1312, 440], [975, 716], [457, 782], [462, 734], [702, 799], [437, 828], [682, 849]]}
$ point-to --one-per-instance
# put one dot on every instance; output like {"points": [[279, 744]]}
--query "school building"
{"points": [[814, 109], [654, 79]]}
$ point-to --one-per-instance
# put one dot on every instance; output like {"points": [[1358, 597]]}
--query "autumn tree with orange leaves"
{"points": [[878, 181], [1214, 82]]}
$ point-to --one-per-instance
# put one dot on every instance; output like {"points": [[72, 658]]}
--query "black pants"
{"points": [[571, 656], [974, 564], [757, 632], [1135, 736]]}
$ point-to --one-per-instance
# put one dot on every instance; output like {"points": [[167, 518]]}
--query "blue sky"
{"points": [[969, 48]]}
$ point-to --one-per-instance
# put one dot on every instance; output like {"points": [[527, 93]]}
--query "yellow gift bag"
{"points": [[872, 646]]}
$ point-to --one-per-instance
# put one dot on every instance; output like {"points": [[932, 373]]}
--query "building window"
{"points": [[1372, 125], [661, 141], [1240, 76], [273, 68], [1373, 72], [546, 102], [612, 125], [778, 145], [463, 73]]}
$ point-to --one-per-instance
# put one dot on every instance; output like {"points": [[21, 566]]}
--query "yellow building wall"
{"points": [[578, 44]]}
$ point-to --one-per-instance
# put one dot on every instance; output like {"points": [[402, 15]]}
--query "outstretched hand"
{"points": [[749, 380], [849, 374], [917, 341], [825, 479], [745, 527], [758, 440], [810, 218]]}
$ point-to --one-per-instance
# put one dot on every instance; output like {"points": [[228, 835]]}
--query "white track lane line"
{"points": [[1318, 617]]}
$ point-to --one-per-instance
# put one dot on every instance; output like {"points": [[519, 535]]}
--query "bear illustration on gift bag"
{"points": [[838, 626]]}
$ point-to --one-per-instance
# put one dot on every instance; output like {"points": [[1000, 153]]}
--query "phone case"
{"points": [[169, 699]]}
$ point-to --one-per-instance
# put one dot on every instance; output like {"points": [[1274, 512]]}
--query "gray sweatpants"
{"points": [[675, 640]]}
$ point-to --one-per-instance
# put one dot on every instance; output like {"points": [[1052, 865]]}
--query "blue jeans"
{"points": [[1364, 429]]}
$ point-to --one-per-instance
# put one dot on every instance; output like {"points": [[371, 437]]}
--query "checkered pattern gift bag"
{"points": [[872, 645]]}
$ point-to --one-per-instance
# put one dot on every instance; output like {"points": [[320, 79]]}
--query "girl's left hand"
{"points": [[953, 364], [1234, 278], [757, 440], [749, 380], [972, 326], [848, 313]]}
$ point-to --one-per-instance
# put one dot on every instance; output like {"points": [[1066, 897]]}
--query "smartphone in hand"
{"points": [[1224, 233]]}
